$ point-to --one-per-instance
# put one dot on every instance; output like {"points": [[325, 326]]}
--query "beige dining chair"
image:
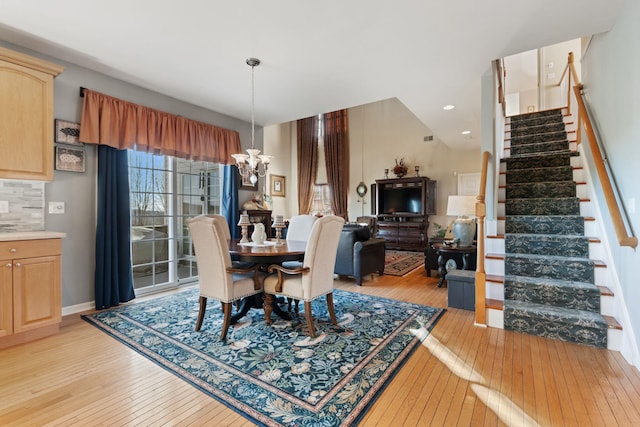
{"points": [[299, 227], [299, 230], [314, 278], [218, 279], [223, 226]]}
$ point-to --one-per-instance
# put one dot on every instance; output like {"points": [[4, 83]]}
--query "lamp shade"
{"points": [[461, 206]]}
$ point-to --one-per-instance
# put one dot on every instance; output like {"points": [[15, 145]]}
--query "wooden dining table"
{"points": [[270, 252]]}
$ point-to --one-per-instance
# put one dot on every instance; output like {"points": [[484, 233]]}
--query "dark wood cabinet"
{"points": [[263, 216], [403, 206]]}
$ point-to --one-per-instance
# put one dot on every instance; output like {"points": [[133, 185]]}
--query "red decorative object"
{"points": [[400, 169]]}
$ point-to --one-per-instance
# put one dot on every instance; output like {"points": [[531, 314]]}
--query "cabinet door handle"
{"points": [[9, 265], [13, 250], [18, 264]]}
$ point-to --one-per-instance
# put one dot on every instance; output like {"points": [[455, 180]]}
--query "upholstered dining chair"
{"points": [[218, 279], [222, 225], [299, 230], [314, 278], [299, 227]]}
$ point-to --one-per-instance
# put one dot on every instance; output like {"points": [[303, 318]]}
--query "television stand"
{"points": [[399, 222], [404, 233]]}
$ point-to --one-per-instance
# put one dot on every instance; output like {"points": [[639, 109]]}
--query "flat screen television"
{"points": [[401, 201]]}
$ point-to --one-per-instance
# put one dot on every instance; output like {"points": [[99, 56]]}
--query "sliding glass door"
{"points": [[165, 192]]}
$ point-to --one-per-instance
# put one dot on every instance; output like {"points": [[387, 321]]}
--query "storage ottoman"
{"points": [[461, 289]]}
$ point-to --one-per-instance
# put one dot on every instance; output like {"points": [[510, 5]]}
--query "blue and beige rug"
{"points": [[278, 375]]}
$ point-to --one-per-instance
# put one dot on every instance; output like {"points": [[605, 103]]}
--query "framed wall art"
{"points": [[70, 159], [278, 186], [468, 184], [67, 132]]}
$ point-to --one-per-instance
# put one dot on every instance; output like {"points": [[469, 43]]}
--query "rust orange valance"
{"points": [[121, 124]]}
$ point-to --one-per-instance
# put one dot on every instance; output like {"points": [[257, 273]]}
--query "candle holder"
{"points": [[386, 174], [244, 224], [417, 169], [278, 224]]}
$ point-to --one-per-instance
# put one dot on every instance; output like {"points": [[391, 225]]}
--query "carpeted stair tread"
{"points": [[550, 266], [568, 225], [539, 147], [579, 326], [539, 138], [525, 190], [541, 174], [556, 292], [547, 244], [555, 113], [536, 128], [543, 206], [528, 161]]}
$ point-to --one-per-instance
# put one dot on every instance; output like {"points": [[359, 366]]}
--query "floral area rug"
{"points": [[399, 263], [278, 375]]}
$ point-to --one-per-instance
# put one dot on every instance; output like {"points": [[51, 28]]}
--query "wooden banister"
{"points": [[624, 238], [583, 119], [480, 276], [502, 74]]}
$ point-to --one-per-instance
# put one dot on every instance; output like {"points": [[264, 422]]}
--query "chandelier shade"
{"points": [[252, 164]]}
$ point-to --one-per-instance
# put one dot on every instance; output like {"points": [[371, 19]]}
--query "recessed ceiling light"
{"points": [[448, 107], [466, 132]]}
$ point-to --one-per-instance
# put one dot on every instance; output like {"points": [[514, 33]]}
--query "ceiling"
{"points": [[316, 56]]}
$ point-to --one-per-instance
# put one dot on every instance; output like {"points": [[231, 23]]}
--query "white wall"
{"points": [[379, 133], [279, 141], [610, 70], [553, 60]]}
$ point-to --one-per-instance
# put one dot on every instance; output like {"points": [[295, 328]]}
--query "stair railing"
{"points": [[480, 276], [502, 74], [621, 224]]}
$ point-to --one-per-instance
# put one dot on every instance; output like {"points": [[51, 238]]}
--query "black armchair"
{"points": [[358, 254]]}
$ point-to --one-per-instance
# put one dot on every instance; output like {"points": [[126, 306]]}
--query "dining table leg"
{"points": [[256, 301]]}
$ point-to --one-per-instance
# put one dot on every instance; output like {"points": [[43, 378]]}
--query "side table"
{"points": [[448, 255]]}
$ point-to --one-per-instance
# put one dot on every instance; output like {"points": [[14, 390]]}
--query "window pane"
{"points": [[164, 193]]}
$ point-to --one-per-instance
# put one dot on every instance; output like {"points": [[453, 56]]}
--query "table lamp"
{"points": [[278, 224], [244, 224], [464, 228]]}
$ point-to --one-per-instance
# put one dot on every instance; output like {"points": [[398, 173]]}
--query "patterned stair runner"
{"points": [[549, 279]]}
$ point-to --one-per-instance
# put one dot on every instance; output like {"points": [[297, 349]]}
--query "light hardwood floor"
{"points": [[462, 375]]}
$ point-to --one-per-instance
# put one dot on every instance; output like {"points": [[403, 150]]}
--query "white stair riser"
{"points": [[614, 339], [607, 305], [494, 246], [494, 266], [495, 318], [495, 291]]}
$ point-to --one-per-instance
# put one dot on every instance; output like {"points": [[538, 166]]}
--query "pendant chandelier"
{"points": [[252, 164]]}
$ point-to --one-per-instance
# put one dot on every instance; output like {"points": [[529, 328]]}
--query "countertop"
{"points": [[31, 235]]}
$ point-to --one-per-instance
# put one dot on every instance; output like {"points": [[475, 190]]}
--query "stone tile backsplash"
{"points": [[26, 205]]}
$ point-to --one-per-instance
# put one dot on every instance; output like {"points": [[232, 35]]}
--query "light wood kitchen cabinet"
{"points": [[30, 292], [26, 116]]}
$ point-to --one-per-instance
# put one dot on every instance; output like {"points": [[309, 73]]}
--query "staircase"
{"points": [[549, 279]]}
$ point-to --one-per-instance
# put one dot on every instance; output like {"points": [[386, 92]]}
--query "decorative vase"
{"points": [[400, 174], [258, 236]]}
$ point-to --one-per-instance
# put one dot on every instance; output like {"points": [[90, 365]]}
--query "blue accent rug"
{"points": [[278, 375]]}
